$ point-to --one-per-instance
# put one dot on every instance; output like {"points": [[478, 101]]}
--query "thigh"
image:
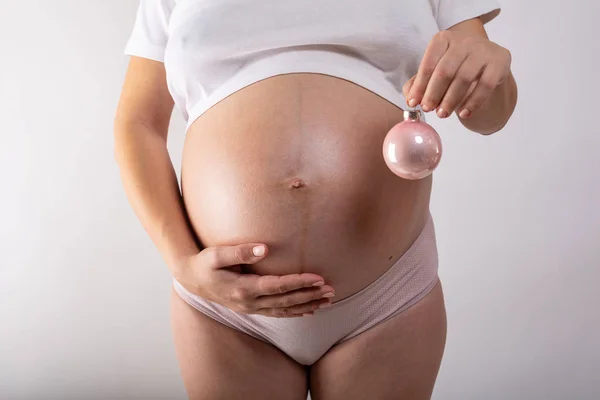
{"points": [[396, 359], [218, 362]]}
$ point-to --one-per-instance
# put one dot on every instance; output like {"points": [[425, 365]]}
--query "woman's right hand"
{"points": [[215, 274]]}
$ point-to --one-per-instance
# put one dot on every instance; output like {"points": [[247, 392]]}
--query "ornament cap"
{"points": [[413, 114]]}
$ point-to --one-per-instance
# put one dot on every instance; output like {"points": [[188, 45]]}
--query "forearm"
{"points": [[150, 184], [495, 113]]}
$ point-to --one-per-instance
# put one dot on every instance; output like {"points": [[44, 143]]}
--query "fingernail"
{"points": [[465, 113], [412, 102], [442, 113], [258, 251], [425, 107], [320, 283], [325, 305], [328, 294]]}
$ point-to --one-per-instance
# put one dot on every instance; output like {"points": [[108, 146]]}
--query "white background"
{"points": [[84, 294]]}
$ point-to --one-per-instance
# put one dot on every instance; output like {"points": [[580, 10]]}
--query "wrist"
{"points": [[179, 264]]}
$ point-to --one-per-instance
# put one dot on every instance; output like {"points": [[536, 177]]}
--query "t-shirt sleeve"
{"points": [[451, 12], [150, 31]]}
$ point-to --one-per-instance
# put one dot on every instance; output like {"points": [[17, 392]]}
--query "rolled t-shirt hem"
{"points": [[145, 50]]}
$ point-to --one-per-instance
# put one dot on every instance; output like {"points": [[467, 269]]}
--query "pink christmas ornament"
{"points": [[412, 149]]}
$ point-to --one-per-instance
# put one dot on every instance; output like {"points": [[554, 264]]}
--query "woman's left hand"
{"points": [[459, 71]]}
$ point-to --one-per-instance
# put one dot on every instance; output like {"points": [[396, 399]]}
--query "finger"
{"points": [[466, 95], [436, 49], [296, 311], [226, 256], [488, 81], [294, 298], [442, 77], [464, 78], [254, 286], [406, 88]]}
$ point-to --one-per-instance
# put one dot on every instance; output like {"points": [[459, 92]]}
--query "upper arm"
{"points": [[145, 97]]}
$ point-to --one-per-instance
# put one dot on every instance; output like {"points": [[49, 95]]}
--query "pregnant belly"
{"points": [[295, 162]]}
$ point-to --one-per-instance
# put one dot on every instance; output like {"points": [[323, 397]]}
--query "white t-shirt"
{"points": [[213, 48]]}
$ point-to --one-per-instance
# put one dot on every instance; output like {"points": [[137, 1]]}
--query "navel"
{"points": [[297, 183]]}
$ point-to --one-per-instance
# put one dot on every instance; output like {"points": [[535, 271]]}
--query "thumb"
{"points": [[228, 256]]}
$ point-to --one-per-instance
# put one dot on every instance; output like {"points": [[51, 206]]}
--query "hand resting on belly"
{"points": [[215, 274]]}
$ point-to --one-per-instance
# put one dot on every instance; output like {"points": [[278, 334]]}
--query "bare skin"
{"points": [[214, 273], [295, 162], [302, 171]]}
